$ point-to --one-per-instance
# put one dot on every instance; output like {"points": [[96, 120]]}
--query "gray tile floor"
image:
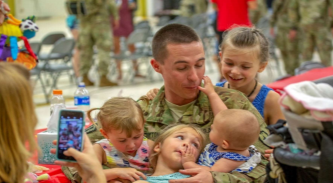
{"points": [[99, 95]]}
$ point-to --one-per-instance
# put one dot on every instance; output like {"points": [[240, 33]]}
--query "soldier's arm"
{"points": [[113, 10], [276, 8]]}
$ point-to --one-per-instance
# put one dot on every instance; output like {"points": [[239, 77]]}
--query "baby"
{"points": [[232, 134]]}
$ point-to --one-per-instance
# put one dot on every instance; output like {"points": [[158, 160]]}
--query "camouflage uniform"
{"points": [[312, 17], [158, 116], [289, 48], [95, 29], [189, 8], [257, 14]]}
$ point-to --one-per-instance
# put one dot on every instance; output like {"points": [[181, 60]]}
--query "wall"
{"points": [[40, 8]]}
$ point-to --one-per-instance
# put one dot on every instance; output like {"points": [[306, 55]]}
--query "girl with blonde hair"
{"points": [[17, 124], [168, 148], [125, 149]]}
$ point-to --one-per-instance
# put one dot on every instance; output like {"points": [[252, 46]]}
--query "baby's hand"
{"points": [[152, 93], [188, 155], [208, 88], [129, 174]]}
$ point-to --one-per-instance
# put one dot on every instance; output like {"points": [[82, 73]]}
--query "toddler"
{"points": [[121, 122]]}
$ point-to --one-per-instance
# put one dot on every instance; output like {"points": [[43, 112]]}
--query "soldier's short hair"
{"points": [[172, 33], [248, 38]]}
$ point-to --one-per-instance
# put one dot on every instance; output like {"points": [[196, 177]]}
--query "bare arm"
{"points": [[253, 5], [123, 173], [272, 110], [189, 165], [214, 99], [225, 165], [100, 153]]}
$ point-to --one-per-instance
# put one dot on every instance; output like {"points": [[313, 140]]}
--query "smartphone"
{"points": [[70, 132]]}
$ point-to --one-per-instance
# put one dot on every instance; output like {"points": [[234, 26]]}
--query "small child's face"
{"points": [[71, 137], [125, 144], [240, 66], [176, 144]]}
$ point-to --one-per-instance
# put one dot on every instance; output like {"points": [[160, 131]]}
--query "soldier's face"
{"points": [[171, 149], [182, 71], [240, 66]]}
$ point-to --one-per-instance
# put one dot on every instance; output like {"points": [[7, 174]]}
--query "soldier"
{"points": [[95, 29], [313, 19], [289, 47], [179, 57], [188, 8]]}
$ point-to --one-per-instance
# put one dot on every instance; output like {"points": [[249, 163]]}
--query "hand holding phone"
{"points": [[88, 166], [70, 132]]}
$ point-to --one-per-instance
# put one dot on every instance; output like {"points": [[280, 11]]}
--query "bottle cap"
{"points": [[82, 84], [57, 92]]}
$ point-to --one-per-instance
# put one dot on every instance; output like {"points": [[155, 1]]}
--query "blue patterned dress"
{"points": [[210, 155]]}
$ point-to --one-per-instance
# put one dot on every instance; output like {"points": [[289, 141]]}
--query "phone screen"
{"points": [[70, 134]]}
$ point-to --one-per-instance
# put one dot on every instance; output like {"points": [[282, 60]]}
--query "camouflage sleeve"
{"points": [[276, 8], [293, 13], [113, 9], [331, 13], [238, 177]]}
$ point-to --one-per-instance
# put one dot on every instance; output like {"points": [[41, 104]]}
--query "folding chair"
{"points": [[138, 36], [62, 50], [202, 30], [163, 20], [36, 47], [307, 66], [50, 40], [198, 19]]}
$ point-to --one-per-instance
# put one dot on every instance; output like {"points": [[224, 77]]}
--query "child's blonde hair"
{"points": [[17, 122], [247, 37], [119, 113], [169, 130]]}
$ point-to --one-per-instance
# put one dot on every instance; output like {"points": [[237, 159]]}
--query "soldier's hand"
{"points": [[271, 31], [292, 34], [152, 93], [115, 24], [268, 153], [198, 175]]}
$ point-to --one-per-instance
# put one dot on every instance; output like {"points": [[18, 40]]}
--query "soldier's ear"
{"points": [[156, 65]]}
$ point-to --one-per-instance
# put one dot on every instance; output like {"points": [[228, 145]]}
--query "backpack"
{"points": [[76, 7]]}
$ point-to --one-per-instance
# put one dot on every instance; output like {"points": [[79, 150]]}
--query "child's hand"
{"points": [[129, 174], [208, 88], [188, 155]]}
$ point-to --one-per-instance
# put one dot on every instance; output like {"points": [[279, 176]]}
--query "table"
{"points": [[55, 172], [311, 75]]}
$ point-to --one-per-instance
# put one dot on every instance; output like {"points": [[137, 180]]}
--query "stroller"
{"points": [[304, 146]]}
